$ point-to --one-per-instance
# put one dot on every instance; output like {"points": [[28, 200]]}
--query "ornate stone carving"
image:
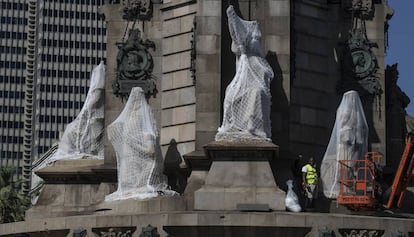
{"points": [[149, 231], [361, 233], [137, 10], [114, 231], [134, 66], [359, 64]]}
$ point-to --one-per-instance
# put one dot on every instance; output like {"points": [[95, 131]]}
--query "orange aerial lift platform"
{"points": [[358, 184]]}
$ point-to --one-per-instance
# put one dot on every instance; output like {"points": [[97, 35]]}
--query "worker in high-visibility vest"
{"points": [[310, 183]]}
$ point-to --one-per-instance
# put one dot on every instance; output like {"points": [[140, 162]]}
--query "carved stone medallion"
{"points": [[137, 10], [134, 66]]}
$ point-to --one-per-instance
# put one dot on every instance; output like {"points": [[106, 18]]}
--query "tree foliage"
{"points": [[12, 203]]}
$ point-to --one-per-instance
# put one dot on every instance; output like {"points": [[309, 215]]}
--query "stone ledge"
{"points": [[176, 4], [79, 171]]}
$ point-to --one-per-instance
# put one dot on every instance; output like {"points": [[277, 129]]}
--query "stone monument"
{"points": [[240, 177]]}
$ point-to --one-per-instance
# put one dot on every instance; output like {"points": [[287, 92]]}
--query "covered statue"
{"points": [[83, 137], [349, 141], [247, 100], [135, 140]]}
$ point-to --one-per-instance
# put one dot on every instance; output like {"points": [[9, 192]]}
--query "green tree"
{"points": [[12, 203]]}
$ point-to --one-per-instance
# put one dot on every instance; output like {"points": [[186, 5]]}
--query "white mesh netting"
{"points": [[83, 137], [349, 141], [247, 100], [135, 140]]}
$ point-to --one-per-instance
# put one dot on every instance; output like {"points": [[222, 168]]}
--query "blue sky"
{"points": [[401, 46]]}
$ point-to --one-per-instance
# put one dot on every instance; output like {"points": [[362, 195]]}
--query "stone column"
{"points": [[115, 26]]}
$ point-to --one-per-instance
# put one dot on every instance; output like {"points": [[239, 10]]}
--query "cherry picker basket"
{"points": [[357, 184]]}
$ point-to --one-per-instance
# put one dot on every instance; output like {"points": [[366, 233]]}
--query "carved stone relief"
{"points": [[134, 66], [114, 231], [361, 233]]}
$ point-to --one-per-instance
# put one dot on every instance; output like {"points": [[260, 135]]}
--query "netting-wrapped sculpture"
{"points": [[83, 137], [349, 141], [134, 137], [247, 100]]}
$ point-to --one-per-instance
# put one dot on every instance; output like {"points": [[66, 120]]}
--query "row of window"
{"points": [[64, 89], [12, 49], [12, 79], [13, 35], [74, 29], [12, 155], [12, 64], [84, 2], [12, 139], [55, 119], [71, 14], [12, 94], [11, 109], [48, 134], [14, 6], [64, 73], [66, 59], [60, 104], [11, 124], [13, 20], [73, 44]]}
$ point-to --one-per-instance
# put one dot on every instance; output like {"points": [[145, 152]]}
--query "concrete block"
{"points": [[178, 115], [181, 218], [187, 23], [278, 44], [115, 220], [208, 25], [208, 121], [259, 219], [183, 96], [210, 8], [77, 195], [207, 44], [238, 195], [277, 26], [177, 43], [278, 8], [208, 82], [236, 219], [176, 62], [208, 63], [209, 198], [185, 132], [171, 27], [208, 102], [290, 219], [176, 79]]}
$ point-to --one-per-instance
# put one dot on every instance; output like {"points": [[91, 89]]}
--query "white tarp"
{"points": [[135, 140], [349, 141], [247, 100]]}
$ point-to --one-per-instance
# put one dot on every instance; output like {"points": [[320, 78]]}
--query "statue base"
{"points": [[72, 187], [240, 178]]}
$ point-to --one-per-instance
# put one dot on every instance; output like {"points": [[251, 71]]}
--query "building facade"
{"points": [[48, 50]]}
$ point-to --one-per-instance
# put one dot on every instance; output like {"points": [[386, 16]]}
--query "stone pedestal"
{"points": [[72, 187], [240, 178]]}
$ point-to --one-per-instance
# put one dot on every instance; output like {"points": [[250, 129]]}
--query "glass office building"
{"points": [[48, 50]]}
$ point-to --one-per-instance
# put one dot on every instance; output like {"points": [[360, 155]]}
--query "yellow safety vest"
{"points": [[311, 175]]}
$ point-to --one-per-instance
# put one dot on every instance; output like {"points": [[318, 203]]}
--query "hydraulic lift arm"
{"points": [[403, 175]]}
